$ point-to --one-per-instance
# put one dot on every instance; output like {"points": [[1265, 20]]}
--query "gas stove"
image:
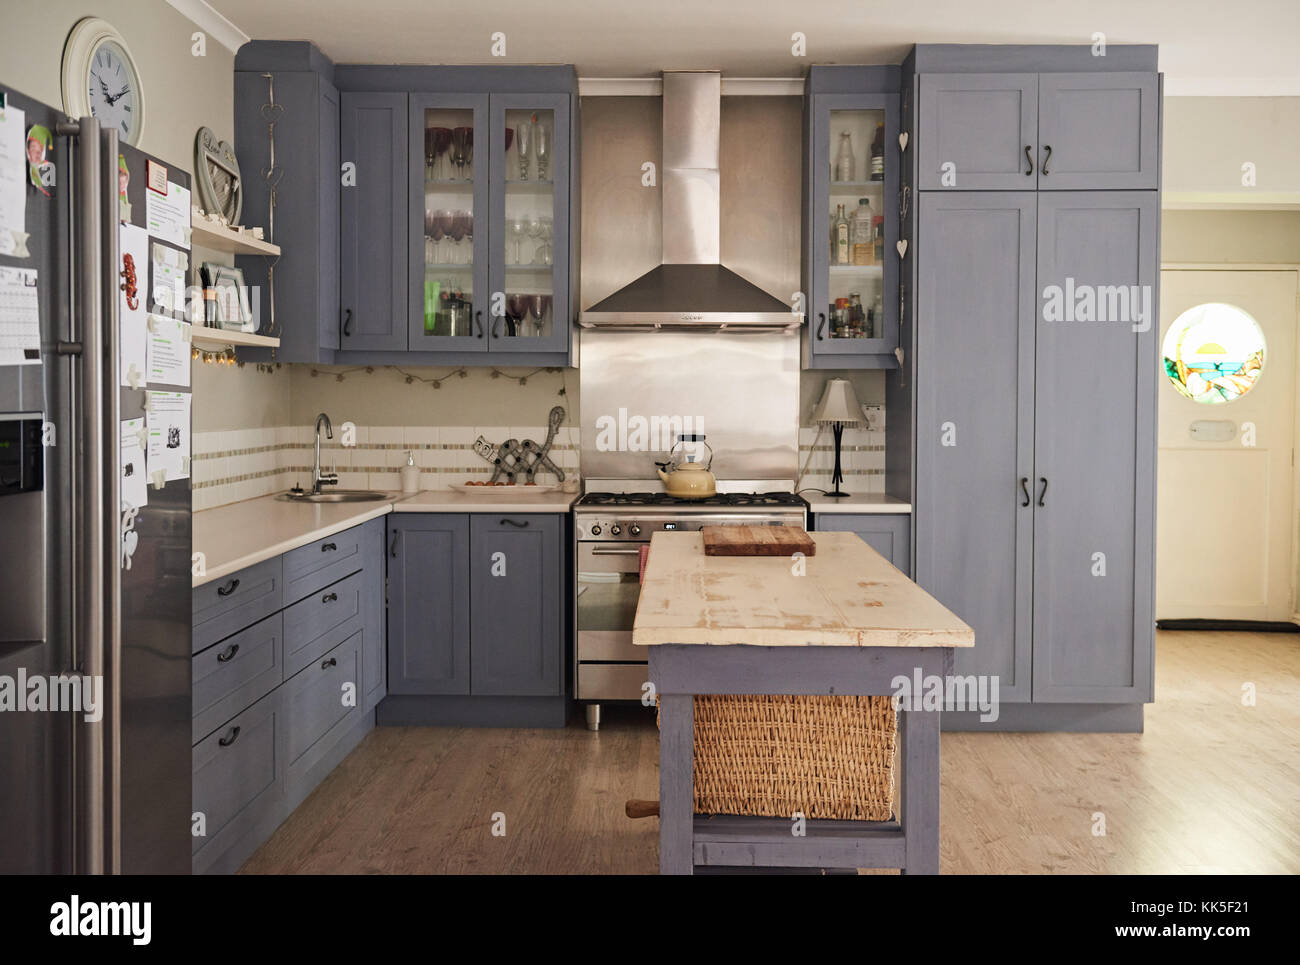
{"points": [[729, 500], [609, 516]]}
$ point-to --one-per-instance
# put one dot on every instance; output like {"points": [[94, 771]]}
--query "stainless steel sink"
{"points": [[335, 496]]}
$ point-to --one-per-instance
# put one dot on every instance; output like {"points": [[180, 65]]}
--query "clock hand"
{"points": [[120, 94]]}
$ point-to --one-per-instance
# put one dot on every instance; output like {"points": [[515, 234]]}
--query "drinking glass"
{"points": [[459, 223], [442, 224], [459, 140], [441, 143], [517, 311], [518, 230], [541, 148], [430, 157], [521, 141], [469, 154], [538, 306]]}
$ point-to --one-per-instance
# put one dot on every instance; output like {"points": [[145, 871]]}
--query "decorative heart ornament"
{"points": [[902, 141], [902, 248]]}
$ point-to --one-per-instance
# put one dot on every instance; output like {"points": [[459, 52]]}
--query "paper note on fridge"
{"points": [[168, 417], [13, 183], [168, 351], [20, 317], [132, 465], [132, 310], [168, 215]]}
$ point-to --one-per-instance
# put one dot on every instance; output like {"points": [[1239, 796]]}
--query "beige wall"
{"points": [[1243, 237], [1207, 139]]}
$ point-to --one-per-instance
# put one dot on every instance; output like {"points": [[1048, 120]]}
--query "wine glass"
{"points": [[441, 142], [541, 148], [429, 156], [510, 139], [458, 226], [459, 139], [533, 227], [538, 306], [521, 142], [469, 154], [518, 230], [442, 223], [544, 255], [517, 311]]}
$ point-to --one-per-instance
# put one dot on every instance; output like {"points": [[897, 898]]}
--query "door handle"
{"points": [[1047, 157], [230, 737], [1029, 159], [496, 327], [228, 589], [513, 522], [331, 662], [347, 323], [478, 320], [229, 654], [822, 326], [329, 598], [1024, 488], [1042, 494], [601, 551], [327, 547], [392, 544]]}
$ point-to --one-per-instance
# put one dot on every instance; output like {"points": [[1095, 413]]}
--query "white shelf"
{"points": [[857, 269], [202, 335], [218, 237]]}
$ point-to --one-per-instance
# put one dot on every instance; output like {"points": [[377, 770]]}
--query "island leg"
{"points": [[919, 731], [676, 784]]}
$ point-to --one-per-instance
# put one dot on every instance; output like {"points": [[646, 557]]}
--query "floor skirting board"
{"points": [[1048, 718], [406, 710], [1244, 626]]}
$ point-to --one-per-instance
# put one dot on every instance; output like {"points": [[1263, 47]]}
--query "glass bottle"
{"points": [[878, 238], [840, 239], [857, 317], [878, 154], [844, 159], [864, 248], [878, 317]]}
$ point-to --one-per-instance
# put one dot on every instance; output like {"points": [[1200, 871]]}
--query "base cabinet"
{"points": [[889, 535]]}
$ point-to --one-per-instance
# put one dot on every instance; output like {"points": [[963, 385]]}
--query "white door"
{"points": [[1225, 475]]}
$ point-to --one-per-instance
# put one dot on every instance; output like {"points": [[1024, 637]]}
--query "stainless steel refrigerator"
{"points": [[76, 795]]}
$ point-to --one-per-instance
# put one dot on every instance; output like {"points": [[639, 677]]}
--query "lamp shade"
{"points": [[839, 403]]}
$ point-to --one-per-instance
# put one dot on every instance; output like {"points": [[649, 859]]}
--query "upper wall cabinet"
{"points": [[1024, 131], [851, 257]]}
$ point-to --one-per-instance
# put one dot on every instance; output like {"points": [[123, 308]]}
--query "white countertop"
{"points": [[241, 534], [846, 595], [867, 503]]}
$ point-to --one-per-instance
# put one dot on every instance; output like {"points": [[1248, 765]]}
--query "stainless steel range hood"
{"points": [[691, 289]]}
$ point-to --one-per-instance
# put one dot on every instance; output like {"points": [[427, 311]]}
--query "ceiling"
{"points": [[1207, 47]]}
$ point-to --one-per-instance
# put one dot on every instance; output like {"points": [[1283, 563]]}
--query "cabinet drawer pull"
{"points": [[1024, 488], [230, 738], [328, 547], [1047, 157], [514, 522], [229, 653], [329, 598], [1043, 492], [821, 327], [331, 662], [228, 589], [347, 323], [1029, 159]]}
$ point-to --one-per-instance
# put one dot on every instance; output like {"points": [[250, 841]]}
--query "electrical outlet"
{"points": [[875, 416]]}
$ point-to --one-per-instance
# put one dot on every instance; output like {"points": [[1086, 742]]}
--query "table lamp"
{"points": [[838, 408]]}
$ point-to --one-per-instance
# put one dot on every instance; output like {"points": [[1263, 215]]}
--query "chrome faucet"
{"points": [[319, 478]]}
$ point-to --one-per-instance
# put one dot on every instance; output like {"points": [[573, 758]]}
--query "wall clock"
{"points": [[100, 78]]}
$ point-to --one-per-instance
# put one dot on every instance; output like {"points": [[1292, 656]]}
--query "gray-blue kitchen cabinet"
{"points": [[373, 222], [516, 566], [976, 309], [889, 534], [1039, 131], [848, 104], [1095, 447], [428, 603]]}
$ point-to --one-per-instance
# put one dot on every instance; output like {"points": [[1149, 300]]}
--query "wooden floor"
{"points": [[1212, 786]]}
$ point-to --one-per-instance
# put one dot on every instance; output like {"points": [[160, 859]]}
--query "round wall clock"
{"points": [[100, 78]]}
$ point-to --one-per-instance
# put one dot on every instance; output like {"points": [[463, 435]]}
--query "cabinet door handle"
{"points": [[328, 547], [1042, 493], [347, 323], [392, 545], [329, 598], [231, 736], [1046, 157], [1029, 159], [229, 653], [496, 327], [331, 662], [821, 327], [1024, 488], [228, 589], [478, 320], [514, 522]]}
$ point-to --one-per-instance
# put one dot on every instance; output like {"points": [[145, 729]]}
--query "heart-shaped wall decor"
{"points": [[902, 141], [902, 248]]}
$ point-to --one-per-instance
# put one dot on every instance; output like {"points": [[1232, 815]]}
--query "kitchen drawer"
{"points": [[608, 645], [612, 681], [228, 605], [315, 566], [238, 780], [235, 673], [308, 623], [319, 710]]}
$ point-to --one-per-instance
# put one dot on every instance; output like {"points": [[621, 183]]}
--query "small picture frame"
{"points": [[230, 309]]}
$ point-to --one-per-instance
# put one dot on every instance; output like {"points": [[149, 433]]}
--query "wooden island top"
{"points": [[847, 596]]}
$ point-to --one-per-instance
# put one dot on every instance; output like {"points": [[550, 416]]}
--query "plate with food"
{"points": [[501, 488]]}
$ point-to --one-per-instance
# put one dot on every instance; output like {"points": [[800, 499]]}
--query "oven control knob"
{"points": [[634, 529], [616, 530], [595, 530]]}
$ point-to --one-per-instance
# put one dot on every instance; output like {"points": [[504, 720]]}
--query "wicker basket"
{"points": [[825, 757]]}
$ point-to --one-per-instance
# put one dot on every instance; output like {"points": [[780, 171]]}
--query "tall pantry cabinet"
{"points": [[1034, 359]]}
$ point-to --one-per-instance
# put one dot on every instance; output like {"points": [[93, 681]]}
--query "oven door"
{"points": [[609, 585]]}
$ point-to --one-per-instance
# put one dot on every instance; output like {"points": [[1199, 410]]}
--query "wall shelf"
{"points": [[216, 338], [218, 237]]}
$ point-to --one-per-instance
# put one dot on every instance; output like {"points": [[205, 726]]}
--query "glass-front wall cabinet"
{"points": [[853, 261]]}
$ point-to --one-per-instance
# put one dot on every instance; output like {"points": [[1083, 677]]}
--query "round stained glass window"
{"points": [[1214, 353]]}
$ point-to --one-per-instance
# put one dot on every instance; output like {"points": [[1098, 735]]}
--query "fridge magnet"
{"points": [[123, 179], [40, 167], [155, 176]]}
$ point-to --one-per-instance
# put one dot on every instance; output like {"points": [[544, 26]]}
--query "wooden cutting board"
{"points": [[757, 541]]}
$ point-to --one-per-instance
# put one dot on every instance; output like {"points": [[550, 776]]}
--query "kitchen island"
{"points": [[840, 622]]}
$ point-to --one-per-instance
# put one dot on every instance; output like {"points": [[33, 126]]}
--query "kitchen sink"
{"points": [[335, 496]]}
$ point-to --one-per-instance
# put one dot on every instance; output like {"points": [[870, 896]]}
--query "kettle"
{"points": [[689, 479]]}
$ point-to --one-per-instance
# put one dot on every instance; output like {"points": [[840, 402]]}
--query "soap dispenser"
{"points": [[410, 475]]}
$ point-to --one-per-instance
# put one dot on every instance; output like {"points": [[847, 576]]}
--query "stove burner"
{"points": [[663, 499]]}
